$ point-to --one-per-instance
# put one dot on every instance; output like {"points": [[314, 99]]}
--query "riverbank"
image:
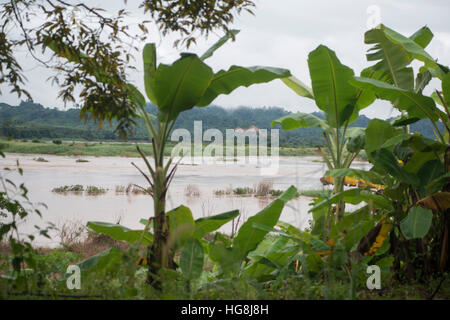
{"points": [[75, 249], [110, 149]]}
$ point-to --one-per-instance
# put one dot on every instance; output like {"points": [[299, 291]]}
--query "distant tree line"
{"points": [[30, 120]]}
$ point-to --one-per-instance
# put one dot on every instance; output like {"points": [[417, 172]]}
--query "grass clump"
{"points": [[93, 190], [264, 187], [40, 159], [72, 188], [243, 191], [82, 160], [131, 189], [275, 192]]}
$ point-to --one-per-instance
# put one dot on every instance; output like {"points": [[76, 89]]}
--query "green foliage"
{"points": [[31, 120], [417, 223], [415, 104], [180, 86], [209, 224], [181, 224], [248, 237], [332, 92], [224, 82], [93, 190], [243, 191], [268, 257], [73, 188], [120, 233], [191, 261]]}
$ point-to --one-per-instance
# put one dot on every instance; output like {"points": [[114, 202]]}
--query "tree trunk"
{"points": [[157, 253]]}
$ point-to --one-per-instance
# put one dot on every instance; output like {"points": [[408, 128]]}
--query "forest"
{"points": [[30, 120]]}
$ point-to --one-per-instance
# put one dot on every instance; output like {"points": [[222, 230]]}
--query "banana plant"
{"points": [[174, 88], [395, 80], [340, 102], [424, 163]]}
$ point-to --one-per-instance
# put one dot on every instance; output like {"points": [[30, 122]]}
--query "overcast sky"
{"points": [[281, 34]]}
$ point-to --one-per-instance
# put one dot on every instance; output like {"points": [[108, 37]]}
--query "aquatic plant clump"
{"points": [[72, 188]]}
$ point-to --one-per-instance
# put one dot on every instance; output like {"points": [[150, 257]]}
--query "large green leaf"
{"points": [[212, 223], [298, 87], [430, 170], [366, 97], [392, 58], [248, 237], [276, 256], [369, 176], [446, 89], [181, 85], [149, 57], [415, 104], [218, 44], [423, 78], [181, 225], [191, 260], [417, 223], [351, 220], [299, 120], [418, 160], [422, 36], [224, 82], [355, 234], [414, 49], [100, 260], [386, 160], [354, 196], [332, 92], [120, 233], [229, 259], [377, 133]]}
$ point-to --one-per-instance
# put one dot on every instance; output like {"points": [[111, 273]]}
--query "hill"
{"points": [[30, 120]]}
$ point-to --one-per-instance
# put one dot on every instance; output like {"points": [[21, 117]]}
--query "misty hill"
{"points": [[30, 120]]}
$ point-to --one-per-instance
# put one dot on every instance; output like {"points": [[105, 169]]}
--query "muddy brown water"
{"points": [[108, 172]]}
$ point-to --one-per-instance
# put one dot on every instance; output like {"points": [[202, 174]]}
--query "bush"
{"points": [[243, 191], [73, 188], [275, 193], [264, 187], [57, 141], [95, 190], [35, 141]]}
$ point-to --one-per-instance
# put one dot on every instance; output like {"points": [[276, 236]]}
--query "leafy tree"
{"points": [[97, 45]]}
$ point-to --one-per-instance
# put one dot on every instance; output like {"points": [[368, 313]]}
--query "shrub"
{"points": [[275, 193], [243, 191], [264, 187], [57, 141], [73, 188], [95, 190]]}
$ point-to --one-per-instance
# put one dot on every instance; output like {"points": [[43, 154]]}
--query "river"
{"points": [[108, 172]]}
